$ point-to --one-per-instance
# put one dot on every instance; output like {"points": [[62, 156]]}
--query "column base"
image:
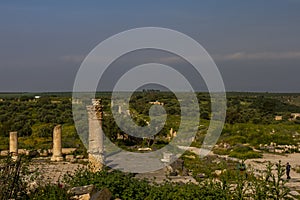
{"points": [[57, 158], [14, 157], [96, 162]]}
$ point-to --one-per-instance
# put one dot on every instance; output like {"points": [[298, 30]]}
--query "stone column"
{"points": [[56, 152], [96, 148], [13, 144]]}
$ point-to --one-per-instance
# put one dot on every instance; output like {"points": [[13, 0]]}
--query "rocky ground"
{"points": [[52, 172], [259, 164], [293, 159]]}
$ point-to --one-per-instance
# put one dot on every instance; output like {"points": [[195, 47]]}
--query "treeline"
{"points": [[23, 113], [37, 116], [259, 109]]}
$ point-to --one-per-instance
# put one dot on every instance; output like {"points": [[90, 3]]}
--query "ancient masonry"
{"points": [[57, 149], [96, 137], [96, 149], [13, 144]]}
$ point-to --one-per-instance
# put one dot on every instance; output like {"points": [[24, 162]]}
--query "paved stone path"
{"points": [[53, 172]]}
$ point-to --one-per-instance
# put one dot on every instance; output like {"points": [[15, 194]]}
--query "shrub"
{"points": [[12, 178], [50, 192], [245, 155]]}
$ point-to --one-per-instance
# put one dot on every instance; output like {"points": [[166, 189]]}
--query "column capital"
{"points": [[95, 111]]}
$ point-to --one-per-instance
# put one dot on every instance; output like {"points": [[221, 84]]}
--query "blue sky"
{"points": [[255, 44]]}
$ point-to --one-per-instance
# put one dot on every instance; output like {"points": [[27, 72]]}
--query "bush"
{"points": [[50, 192], [244, 152], [221, 151], [12, 178], [245, 155], [121, 185], [232, 185]]}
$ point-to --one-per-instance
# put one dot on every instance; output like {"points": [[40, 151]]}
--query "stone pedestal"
{"points": [[57, 153], [13, 144], [96, 148]]}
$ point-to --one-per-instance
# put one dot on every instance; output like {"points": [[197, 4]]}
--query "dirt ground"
{"points": [[293, 159]]}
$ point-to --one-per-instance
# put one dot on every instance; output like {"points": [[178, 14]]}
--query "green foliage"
{"points": [[21, 114], [4, 143], [43, 130], [255, 134], [15, 180], [51, 192], [170, 191], [276, 188], [233, 184], [122, 185], [13, 184], [206, 165], [247, 113], [238, 151], [245, 155]]}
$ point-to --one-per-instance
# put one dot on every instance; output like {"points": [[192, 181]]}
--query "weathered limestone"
{"points": [[57, 150], [13, 144], [96, 148], [171, 134], [89, 192], [120, 110], [167, 157], [278, 118], [294, 116]]}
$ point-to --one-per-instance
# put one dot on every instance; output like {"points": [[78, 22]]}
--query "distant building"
{"points": [[294, 116], [278, 118], [76, 101], [156, 103], [37, 97]]}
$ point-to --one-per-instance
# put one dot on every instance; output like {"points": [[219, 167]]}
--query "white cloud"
{"points": [[238, 56], [258, 56]]}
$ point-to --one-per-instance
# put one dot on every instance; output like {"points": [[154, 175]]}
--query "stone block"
{"points": [[178, 165], [22, 151], [43, 152], [104, 194], [79, 156], [294, 193], [4, 153], [69, 158], [89, 192], [218, 172], [201, 175], [68, 150], [81, 190]]}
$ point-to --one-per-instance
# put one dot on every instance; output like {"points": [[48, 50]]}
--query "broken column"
{"points": [[96, 148], [57, 152], [13, 144]]}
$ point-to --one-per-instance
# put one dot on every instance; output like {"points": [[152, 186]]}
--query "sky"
{"points": [[255, 44]]}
